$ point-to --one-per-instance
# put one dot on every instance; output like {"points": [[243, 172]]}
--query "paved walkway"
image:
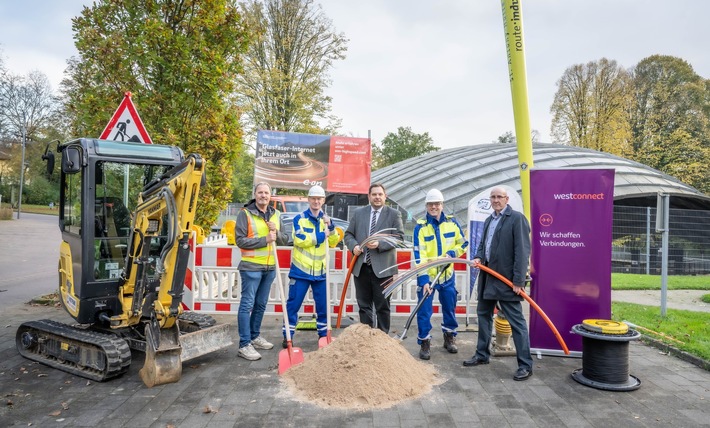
{"points": [[222, 390], [688, 300]]}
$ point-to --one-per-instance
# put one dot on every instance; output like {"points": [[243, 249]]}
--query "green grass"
{"points": [[690, 328], [630, 281], [7, 214]]}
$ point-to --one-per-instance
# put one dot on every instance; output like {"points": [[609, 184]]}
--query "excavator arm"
{"points": [[153, 277], [158, 250]]}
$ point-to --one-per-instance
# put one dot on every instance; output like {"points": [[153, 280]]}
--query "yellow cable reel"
{"points": [[605, 326]]}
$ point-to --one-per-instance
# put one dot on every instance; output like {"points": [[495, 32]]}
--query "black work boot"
{"points": [[450, 343], [424, 353]]}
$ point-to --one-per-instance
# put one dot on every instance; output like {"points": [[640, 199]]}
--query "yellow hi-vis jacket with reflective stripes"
{"points": [[437, 237], [308, 255], [251, 230]]}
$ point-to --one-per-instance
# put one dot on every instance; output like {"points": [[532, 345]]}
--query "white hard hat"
{"points": [[434, 196], [316, 191]]}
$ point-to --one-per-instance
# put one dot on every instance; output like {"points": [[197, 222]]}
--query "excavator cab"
{"points": [[125, 215], [100, 183]]}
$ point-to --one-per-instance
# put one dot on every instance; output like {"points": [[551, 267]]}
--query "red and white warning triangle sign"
{"points": [[126, 125]]}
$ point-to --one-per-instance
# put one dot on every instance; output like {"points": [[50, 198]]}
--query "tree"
{"points": [[27, 105], [670, 119], [3, 124], [509, 138], [243, 178], [180, 59], [286, 68], [590, 107], [403, 145]]}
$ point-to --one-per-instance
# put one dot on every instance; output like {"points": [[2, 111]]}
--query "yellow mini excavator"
{"points": [[125, 214]]}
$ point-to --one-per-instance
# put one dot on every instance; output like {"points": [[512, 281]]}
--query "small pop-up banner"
{"points": [[571, 221], [479, 208]]}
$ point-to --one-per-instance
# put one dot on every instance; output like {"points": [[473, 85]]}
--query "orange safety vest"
{"points": [[256, 227]]}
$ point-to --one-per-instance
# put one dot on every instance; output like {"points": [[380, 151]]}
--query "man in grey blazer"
{"points": [[505, 248], [377, 261]]}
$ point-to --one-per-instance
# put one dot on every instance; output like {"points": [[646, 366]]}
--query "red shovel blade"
{"points": [[288, 357], [325, 341]]}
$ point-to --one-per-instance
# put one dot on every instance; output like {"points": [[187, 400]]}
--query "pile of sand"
{"points": [[362, 369]]}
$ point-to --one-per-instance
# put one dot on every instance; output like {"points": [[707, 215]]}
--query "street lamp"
{"points": [[22, 171]]}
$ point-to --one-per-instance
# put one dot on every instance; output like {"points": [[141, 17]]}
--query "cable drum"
{"points": [[605, 356]]}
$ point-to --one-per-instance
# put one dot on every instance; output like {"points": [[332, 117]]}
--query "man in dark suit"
{"points": [[377, 261], [505, 248]]}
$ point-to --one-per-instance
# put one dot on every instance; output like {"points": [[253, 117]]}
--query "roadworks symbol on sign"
{"points": [[126, 125]]}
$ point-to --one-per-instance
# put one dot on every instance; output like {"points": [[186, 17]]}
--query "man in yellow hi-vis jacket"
{"points": [[313, 233], [437, 235]]}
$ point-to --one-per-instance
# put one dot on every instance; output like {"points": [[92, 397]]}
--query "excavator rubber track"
{"points": [[86, 353], [193, 321]]}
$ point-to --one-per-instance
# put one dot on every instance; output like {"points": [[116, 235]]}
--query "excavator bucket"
{"points": [[204, 341], [162, 363]]}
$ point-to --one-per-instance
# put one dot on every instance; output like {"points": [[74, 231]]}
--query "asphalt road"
{"points": [[29, 253]]}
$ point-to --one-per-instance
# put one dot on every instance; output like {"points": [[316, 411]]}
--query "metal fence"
{"points": [[636, 246]]}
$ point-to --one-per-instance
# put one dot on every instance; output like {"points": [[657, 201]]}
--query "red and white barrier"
{"points": [[213, 284]]}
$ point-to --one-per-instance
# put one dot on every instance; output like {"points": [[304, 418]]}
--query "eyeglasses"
{"points": [[498, 197], [434, 204]]}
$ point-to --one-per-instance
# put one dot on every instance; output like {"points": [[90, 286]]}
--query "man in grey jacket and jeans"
{"points": [[258, 230]]}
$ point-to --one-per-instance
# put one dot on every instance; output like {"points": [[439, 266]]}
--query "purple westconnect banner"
{"points": [[571, 222]]}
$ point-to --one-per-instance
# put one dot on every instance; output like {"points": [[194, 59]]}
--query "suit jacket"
{"points": [[510, 255], [385, 255]]}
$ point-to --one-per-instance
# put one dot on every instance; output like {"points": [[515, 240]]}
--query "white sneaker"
{"points": [[261, 343], [248, 352]]}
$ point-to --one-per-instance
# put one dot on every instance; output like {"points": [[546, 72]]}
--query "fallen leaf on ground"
{"points": [[56, 413]]}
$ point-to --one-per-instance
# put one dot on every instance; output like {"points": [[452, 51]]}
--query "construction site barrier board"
{"points": [[213, 283]]}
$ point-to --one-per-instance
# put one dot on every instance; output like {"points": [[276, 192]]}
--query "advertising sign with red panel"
{"points": [[349, 165], [290, 160]]}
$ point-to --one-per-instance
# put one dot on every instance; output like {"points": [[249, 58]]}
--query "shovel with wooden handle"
{"points": [[290, 356]]}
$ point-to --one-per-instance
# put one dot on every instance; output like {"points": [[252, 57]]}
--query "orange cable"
{"points": [[345, 289], [532, 303]]}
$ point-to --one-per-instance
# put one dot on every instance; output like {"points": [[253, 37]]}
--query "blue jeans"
{"points": [[256, 286]]}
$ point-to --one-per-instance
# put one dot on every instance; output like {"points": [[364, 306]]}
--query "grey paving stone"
{"points": [[673, 393]]}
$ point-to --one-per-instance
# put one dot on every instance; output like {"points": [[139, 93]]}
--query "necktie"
{"points": [[372, 230]]}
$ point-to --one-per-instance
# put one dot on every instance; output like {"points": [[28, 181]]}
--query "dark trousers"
{"points": [[514, 314], [368, 292]]}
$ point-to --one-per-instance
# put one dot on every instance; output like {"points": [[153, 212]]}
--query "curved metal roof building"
{"points": [[461, 173]]}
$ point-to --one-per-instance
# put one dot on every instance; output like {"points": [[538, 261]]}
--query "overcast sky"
{"points": [[435, 66]]}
